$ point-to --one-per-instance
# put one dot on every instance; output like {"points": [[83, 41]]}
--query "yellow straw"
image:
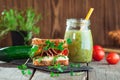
{"points": [[89, 13]]}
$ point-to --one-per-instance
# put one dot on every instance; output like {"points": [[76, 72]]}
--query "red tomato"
{"points": [[98, 55], [65, 52], [112, 58], [96, 47]]}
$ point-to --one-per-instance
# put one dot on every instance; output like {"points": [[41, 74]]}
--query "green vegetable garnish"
{"points": [[23, 67], [69, 41], [51, 45], [52, 74], [60, 46], [33, 50], [71, 73], [40, 59]]}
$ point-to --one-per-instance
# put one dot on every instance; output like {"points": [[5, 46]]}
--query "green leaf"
{"points": [[54, 60], [40, 59], [60, 46], [50, 67], [28, 72], [33, 50], [57, 74], [23, 72], [69, 41], [52, 74], [60, 69], [78, 65], [52, 45], [22, 67], [46, 48], [36, 30], [71, 73], [74, 65], [47, 42]]}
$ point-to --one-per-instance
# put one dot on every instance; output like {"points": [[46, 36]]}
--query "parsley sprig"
{"points": [[50, 44], [23, 67], [69, 41], [60, 68]]}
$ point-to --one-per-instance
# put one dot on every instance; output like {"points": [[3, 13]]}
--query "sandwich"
{"points": [[50, 52]]}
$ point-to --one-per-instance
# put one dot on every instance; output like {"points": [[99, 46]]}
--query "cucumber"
{"points": [[14, 53]]}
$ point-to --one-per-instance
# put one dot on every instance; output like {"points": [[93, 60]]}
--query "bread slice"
{"points": [[47, 61]]}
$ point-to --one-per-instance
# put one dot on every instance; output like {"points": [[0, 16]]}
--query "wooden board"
{"points": [[103, 71], [66, 76], [55, 12], [10, 72]]}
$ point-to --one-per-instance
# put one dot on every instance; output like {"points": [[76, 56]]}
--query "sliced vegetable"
{"points": [[14, 52]]}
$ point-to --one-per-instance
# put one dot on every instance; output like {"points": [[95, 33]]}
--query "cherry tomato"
{"points": [[112, 58], [96, 47], [98, 55], [65, 52]]}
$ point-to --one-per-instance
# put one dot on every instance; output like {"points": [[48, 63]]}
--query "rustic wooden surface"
{"points": [[55, 12], [10, 72], [45, 76], [101, 71]]}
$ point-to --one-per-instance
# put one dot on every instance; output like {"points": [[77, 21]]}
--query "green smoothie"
{"points": [[80, 50]]}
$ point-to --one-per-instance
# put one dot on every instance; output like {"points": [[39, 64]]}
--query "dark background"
{"points": [[106, 17]]}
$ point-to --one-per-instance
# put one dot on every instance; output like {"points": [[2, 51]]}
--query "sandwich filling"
{"points": [[50, 52]]}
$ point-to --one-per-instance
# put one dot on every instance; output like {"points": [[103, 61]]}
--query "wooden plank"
{"points": [[111, 50], [97, 21], [10, 72], [112, 19], [66, 76], [103, 71], [55, 12], [44, 7]]}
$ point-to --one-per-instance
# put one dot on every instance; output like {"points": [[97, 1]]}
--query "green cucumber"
{"points": [[14, 53]]}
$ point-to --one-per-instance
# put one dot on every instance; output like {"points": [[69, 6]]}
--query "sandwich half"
{"points": [[50, 52]]}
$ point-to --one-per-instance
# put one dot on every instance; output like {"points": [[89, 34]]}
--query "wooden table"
{"points": [[101, 71]]}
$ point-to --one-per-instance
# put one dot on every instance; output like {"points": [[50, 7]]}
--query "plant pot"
{"points": [[18, 37]]}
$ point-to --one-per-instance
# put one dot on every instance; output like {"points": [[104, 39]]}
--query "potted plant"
{"points": [[22, 25]]}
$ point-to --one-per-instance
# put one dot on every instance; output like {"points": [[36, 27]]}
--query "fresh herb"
{"points": [[55, 67], [72, 65], [33, 50], [40, 59], [60, 46], [24, 69], [14, 20], [50, 44], [71, 73], [69, 41], [47, 42], [52, 74]]}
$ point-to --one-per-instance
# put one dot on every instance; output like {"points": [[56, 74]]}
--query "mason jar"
{"points": [[81, 48]]}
